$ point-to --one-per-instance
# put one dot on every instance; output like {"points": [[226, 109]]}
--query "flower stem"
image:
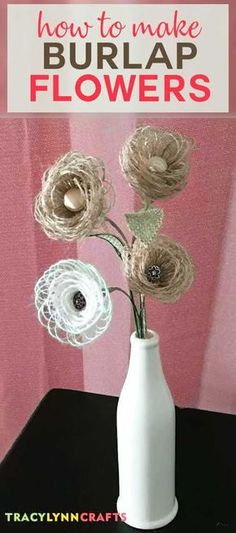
{"points": [[139, 315], [112, 289], [136, 315], [143, 319], [118, 229], [135, 310]]}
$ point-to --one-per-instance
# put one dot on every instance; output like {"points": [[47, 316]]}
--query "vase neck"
{"points": [[145, 355]]}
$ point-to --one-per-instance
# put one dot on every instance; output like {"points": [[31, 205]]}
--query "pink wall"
{"points": [[219, 371], [199, 219], [30, 362], [198, 342]]}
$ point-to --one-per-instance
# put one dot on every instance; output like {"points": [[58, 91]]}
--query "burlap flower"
{"points": [[163, 270], [156, 162], [73, 201], [73, 302]]}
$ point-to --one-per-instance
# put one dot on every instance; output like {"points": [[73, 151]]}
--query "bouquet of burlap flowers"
{"points": [[72, 299]]}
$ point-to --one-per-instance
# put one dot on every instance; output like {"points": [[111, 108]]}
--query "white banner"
{"points": [[117, 58]]}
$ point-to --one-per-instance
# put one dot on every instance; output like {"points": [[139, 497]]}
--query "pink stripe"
{"points": [[31, 362], [219, 370], [196, 218]]}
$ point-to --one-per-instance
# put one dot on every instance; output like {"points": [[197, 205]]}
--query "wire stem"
{"points": [[118, 229], [143, 319], [136, 315], [135, 310], [112, 289]]}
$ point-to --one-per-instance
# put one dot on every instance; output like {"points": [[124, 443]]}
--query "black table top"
{"points": [[65, 461]]}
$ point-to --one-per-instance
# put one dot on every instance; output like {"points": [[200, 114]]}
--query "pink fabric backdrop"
{"points": [[198, 341], [30, 362]]}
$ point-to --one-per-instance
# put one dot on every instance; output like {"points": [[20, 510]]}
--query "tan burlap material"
{"points": [[136, 159], [71, 171], [175, 266]]}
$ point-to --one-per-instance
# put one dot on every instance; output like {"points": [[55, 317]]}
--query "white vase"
{"points": [[146, 440]]}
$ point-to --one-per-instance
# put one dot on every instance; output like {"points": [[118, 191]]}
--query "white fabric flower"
{"points": [[73, 302]]}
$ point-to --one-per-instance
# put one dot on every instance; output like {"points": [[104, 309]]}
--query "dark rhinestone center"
{"points": [[153, 273], [79, 301]]}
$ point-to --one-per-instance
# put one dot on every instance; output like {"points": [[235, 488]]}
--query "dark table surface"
{"points": [[65, 460]]}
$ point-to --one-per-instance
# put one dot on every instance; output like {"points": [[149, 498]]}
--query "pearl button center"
{"points": [[157, 164], [74, 200]]}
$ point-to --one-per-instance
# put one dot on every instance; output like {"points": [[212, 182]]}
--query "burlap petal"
{"points": [[174, 266], [172, 151], [73, 170]]}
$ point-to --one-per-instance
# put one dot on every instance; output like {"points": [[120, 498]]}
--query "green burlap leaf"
{"points": [[145, 224], [114, 241]]}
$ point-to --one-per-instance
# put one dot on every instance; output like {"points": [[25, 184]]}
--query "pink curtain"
{"points": [[30, 362], [198, 342]]}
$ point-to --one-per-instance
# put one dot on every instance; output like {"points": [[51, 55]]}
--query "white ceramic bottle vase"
{"points": [[146, 439]]}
